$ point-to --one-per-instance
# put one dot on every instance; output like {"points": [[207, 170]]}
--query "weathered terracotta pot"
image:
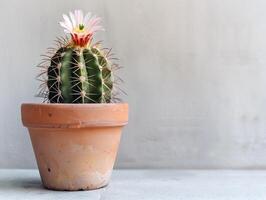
{"points": [[75, 145]]}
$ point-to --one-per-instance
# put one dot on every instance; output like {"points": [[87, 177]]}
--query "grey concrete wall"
{"points": [[195, 73]]}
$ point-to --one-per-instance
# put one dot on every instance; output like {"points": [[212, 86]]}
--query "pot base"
{"points": [[80, 189], [74, 159]]}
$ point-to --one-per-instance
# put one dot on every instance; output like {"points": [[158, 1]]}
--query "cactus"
{"points": [[79, 75], [78, 71]]}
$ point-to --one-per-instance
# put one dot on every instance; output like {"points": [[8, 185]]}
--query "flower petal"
{"points": [[67, 21], [87, 18], [63, 24], [73, 19], [96, 28], [79, 16], [94, 21]]}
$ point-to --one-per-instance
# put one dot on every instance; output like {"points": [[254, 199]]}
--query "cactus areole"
{"points": [[78, 70]]}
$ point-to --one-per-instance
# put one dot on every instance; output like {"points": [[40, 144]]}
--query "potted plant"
{"points": [[76, 131]]}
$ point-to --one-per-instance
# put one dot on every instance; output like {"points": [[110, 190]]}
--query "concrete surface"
{"points": [[195, 75], [145, 185]]}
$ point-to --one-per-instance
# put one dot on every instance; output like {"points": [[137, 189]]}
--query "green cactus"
{"points": [[79, 75], [77, 70]]}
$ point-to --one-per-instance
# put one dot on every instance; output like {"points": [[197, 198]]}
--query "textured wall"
{"points": [[195, 74]]}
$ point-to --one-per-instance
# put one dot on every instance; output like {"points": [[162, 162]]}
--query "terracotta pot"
{"points": [[75, 145]]}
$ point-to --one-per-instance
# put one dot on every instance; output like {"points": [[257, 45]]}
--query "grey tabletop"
{"points": [[146, 184]]}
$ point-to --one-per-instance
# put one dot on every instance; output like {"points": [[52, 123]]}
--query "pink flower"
{"points": [[81, 27]]}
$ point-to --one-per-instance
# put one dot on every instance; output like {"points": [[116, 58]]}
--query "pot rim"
{"points": [[61, 115]]}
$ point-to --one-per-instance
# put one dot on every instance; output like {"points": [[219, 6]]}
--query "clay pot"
{"points": [[75, 145]]}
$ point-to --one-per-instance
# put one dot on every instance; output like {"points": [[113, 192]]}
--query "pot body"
{"points": [[75, 145]]}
